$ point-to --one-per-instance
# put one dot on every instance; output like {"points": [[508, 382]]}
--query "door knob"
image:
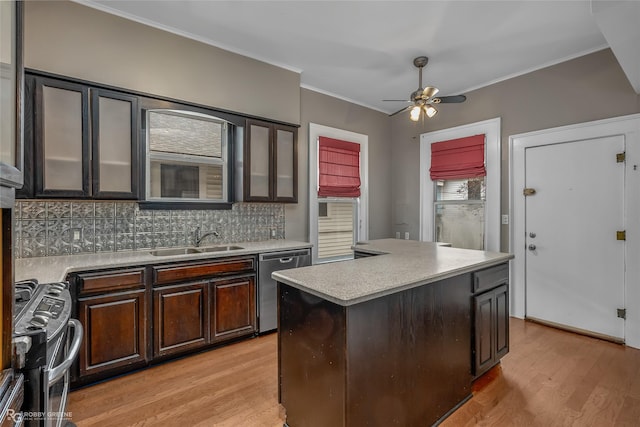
{"points": [[532, 247]]}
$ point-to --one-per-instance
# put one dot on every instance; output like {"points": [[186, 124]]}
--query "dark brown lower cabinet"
{"points": [[491, 338], [115, 332], [233, 307], [180, 318], [130, 321]]}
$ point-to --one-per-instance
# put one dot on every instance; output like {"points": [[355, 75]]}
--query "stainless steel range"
{"points": [[46, 342]]}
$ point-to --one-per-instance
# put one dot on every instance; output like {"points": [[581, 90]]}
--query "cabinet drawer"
{"points": [[177, 272], [489, 278], [112, 280]]}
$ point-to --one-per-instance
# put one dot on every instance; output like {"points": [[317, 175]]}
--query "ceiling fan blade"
{"points": [[401, 110], [396, 100], [451, 99]]}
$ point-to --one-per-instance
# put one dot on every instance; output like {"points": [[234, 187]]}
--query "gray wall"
{"points": [[587, 88], [328, 111], [71, 39], [74, 40]]}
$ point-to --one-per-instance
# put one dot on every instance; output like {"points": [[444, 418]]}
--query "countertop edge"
{"points": [[399, 288], [57, 268]]}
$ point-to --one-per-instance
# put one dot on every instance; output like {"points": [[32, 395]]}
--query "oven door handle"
{"points": [[56, 373]]}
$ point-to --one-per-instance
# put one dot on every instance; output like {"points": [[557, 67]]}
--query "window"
{"points": [[458, 170], [336, 229], [459, 212], [186, 157], [338, 192], [486, 217]]}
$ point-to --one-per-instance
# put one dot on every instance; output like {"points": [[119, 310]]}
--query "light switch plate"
{"points": [[406, 235]]}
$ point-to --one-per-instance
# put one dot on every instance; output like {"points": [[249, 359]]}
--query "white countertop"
{"points": [[404, 265], [56, 268]]}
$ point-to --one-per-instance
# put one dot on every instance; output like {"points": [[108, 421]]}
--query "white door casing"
{"points": [[628, 128], [574, 263], [491, 130]]}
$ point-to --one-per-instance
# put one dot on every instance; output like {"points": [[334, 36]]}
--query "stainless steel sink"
{"points": [[174, 251], [184, 251], [220, 248]]}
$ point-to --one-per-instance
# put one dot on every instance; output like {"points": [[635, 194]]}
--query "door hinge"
{"points": [[529, 191], [622, 313], [621, 235], [621, 157]]}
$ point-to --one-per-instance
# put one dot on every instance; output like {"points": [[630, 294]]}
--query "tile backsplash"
{"points": [[64, 227]]}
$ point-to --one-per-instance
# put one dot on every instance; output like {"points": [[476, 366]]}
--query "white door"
{"points": [[574, 262]]}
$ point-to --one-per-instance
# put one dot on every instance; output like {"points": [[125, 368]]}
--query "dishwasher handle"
{"points": [[285, 260], [283, 255]]}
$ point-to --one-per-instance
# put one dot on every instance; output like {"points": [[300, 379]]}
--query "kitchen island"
{"points": [[383, 340]]}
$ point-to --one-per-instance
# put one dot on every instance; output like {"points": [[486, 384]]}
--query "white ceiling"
{"points": [[363, 51]]}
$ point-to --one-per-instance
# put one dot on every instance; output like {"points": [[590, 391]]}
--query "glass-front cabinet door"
{"points": [[82, 141], [271, 163], [10, 94], [258, 157], [62, 138], [286, 164], [114, 147]]}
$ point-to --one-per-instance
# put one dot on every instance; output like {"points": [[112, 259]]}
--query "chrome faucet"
{"points": [[197, 238]]}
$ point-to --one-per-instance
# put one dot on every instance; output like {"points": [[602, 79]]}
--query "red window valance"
{"points": [[458, 158], [339, 168]]}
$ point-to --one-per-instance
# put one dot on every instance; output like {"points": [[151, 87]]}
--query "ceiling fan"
{"points": [[423, 100]]}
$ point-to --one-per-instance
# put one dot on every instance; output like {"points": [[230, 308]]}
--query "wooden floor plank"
{"points": [[549, 378]]}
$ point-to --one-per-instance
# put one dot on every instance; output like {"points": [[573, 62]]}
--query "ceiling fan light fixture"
{"points": [[430, 110], [414, 115], [429, 92]]}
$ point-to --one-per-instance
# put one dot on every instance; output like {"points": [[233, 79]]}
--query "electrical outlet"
{"points": [[406, 235], [76, 234], [397, 234], [273, 233], [505, 219]]}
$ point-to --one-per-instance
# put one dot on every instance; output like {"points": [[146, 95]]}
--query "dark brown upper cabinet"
{"points": [[114, 145], [270, 169], [61, 137], [81, 141]]}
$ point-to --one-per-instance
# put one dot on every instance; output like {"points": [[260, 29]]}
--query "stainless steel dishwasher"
{"points": [[267, 288]]}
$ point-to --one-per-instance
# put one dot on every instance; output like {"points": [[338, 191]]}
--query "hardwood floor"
{"points": [[550, 378]]}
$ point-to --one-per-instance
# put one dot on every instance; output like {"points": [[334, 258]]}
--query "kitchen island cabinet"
{"points": [[382, 340], [490, 317]]}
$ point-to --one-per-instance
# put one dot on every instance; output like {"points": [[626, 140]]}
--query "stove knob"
{"points": [[57, 286], [39, 321], [43, 313], [54, 291]]}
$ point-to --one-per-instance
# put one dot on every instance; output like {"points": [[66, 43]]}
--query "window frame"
{"points": [[491, 129], [194, 160], [362, 219]]}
